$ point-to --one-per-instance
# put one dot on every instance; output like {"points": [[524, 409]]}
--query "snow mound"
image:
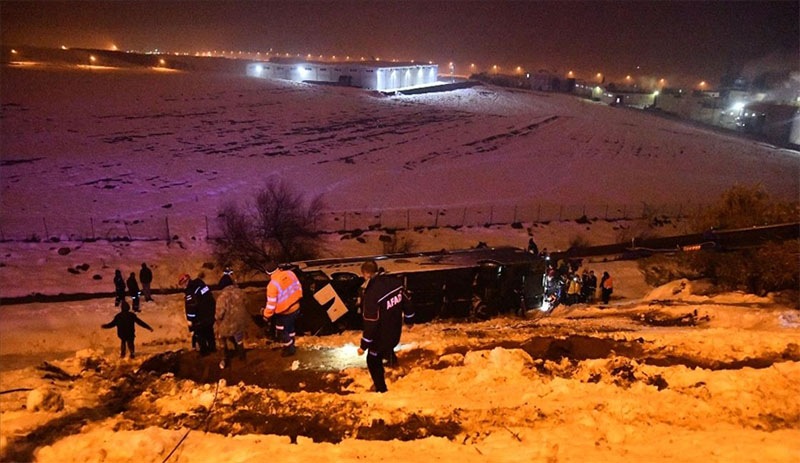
{"points": [[678, 289]]}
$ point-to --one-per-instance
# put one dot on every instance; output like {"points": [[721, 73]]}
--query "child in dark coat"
{"points": [[125, 322]]}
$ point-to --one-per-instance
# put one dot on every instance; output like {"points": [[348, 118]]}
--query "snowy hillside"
{"points": [[139, 144], [660, 374]]}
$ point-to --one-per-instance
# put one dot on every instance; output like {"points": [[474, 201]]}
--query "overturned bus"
{"points": [[480, 283]]}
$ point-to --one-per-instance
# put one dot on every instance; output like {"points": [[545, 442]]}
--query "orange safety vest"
{"points": [[283, 293]]}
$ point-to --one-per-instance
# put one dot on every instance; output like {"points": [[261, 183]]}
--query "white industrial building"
{"points": [[371, 75]]}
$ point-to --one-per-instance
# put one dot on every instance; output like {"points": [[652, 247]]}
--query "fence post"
{"points": [[91, 223], [491, 214], [127, 230], [515, 214], [560, 211], [207, 234], [606, 211], [408, 219], [344, 222], [464, 217], [46, 233], [169, 235], [436, 220]]}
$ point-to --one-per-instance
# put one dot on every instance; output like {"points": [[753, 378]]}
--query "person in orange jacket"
{"points": [[283, 302]]}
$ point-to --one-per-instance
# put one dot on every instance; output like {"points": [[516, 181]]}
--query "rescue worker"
{"points": [[133, 291], [200, 308], [227, 278], [283, 302], [231, 318], [384, 308]]}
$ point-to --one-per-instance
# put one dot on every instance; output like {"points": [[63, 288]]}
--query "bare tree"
{"points": [[280, 226]]}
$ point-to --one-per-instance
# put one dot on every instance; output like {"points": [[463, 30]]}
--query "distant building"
{"points": [[370, 75], [545, 81], [628, 98], [778, 123]]}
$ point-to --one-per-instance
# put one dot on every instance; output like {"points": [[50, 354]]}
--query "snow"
{"points": [[722, 388]]}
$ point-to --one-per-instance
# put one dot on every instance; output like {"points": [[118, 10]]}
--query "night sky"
{"points": [[681, 41]]}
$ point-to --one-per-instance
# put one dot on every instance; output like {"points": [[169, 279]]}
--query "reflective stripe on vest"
{"points": [[283, 291]]}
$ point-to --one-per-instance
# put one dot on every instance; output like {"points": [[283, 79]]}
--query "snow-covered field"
{"points": [[663, 374]]}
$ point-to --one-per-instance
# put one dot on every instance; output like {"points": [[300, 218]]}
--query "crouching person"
{"points": [[231, 319], [384, 308], [126, 322]]}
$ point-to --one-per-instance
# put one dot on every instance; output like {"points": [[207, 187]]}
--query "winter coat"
{"points": [[199, 305], [284, 292], [124, 321], [232, 318], [119, 284], [225, 281], [384, 307], [133, 286], [145, 275]]}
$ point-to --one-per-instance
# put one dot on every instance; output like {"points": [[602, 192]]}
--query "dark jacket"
{"points": [[145, 275], [385, 306], [124, 321], [119, 283], [133, 286], [200, 305]]}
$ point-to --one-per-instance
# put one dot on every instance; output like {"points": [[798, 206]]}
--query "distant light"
{"points": [[655, 93], [259, 69], [92, 58], [13, 52], [63, 47], [738, 106], [162, 62], [113, 47]]}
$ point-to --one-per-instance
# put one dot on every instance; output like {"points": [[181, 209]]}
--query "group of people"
{"points": [[384, 307], [130, 287], [564, 285]]}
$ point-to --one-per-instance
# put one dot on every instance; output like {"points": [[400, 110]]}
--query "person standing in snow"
{"points": [[133, 291], [119, 287], [200, 308], [384, 308], [284, 292], [146, 277], [126, 322], [591, 287], [532, 247], [227, 278], [606, 287], [231, 319]]}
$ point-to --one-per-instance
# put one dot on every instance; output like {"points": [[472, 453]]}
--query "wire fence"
{"points": [[167, 228]]}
